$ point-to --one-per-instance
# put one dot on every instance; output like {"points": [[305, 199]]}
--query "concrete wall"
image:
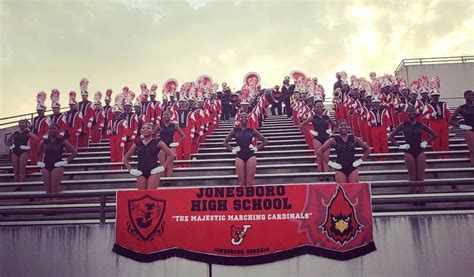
{"points": [[407, 246], [455, 78]]}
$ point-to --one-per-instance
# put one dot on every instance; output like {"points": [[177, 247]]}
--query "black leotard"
{"points": [[321, 125], [53, 152], [345, 151], [147, 156], [412, 134], [467, 113], [18, 140], [244, 138], [166, 133]]}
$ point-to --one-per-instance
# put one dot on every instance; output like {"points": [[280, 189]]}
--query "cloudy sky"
{"points": [[49, 44]]}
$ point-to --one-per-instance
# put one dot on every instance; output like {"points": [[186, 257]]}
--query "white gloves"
{"points": [[89, 125], [423, 144], [24, 147], [122, 144], [433, 114], [40, 164], [405, 146], [329, 132], [135, 172], [174, 144], [157, 169], [252, 147], [313, 133], [12, 147], [201, 133], [236, 149], [334, 165], [465, 127], [60, 163], [358, 162]]}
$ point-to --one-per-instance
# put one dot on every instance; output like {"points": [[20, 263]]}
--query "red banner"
{"points": [[245, 225]]}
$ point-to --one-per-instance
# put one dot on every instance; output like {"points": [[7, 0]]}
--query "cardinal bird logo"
{"points": [[341, 224], [237, 234]]}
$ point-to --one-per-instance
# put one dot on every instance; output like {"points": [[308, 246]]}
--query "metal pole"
{"points": [[102, 209]]}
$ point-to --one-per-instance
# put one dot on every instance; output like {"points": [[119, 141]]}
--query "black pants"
{"points": [[226, 108], [276, 107], [233, 110], [289, 110]]}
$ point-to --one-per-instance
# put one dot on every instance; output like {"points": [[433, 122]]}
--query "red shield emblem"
{"points": [[146, 217]]}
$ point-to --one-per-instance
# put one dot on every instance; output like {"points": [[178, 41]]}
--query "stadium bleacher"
{"points": [[89, 183]]}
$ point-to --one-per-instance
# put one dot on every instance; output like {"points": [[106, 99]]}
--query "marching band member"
{"points": [[414, 146], [117, 133], [438, 114], [18, 143], [52, 164], [467, 125], [148, 148], [379, 126], [246, 161], [57, 117], [185, 123], [107, 110], [287, 91], [346, 164], [87, 111], [277, 101], [39, 125], [98, 123], [167, 130], [322, 131], [74, 121]]}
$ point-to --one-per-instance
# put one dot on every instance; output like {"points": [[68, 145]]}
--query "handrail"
{"points": [[21, 116], [440, 60]]}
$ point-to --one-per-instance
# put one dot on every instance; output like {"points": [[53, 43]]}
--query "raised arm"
{"points": [[70, 149], [263, 139], [364, 146], [169, 154], [394, 133], [430, 131], [305, 122], [328, 144], [227, 140], [128, 155]]}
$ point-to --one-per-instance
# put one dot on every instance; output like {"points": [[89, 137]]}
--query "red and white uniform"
{"points": [[59, 119], [197, 130], [438, 115], [379, 126], [88, 113], [118, 137], [186, 121], [74, 123], [98, 125], [40, 129]]}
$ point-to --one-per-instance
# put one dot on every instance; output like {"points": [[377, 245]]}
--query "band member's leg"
{"points": [[250, 169], [56, 176], [240, 169]]}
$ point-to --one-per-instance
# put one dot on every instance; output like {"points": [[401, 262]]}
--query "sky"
{"points": [[46, 44]]}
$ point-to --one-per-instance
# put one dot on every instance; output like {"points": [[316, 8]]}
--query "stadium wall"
{"points": [[407, 246], [455, 78]]}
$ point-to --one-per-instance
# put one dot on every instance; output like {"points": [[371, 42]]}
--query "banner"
{"points": [[245, 225]]}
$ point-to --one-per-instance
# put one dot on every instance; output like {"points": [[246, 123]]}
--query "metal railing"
{"points": [[8, 121], [437, 60]]}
